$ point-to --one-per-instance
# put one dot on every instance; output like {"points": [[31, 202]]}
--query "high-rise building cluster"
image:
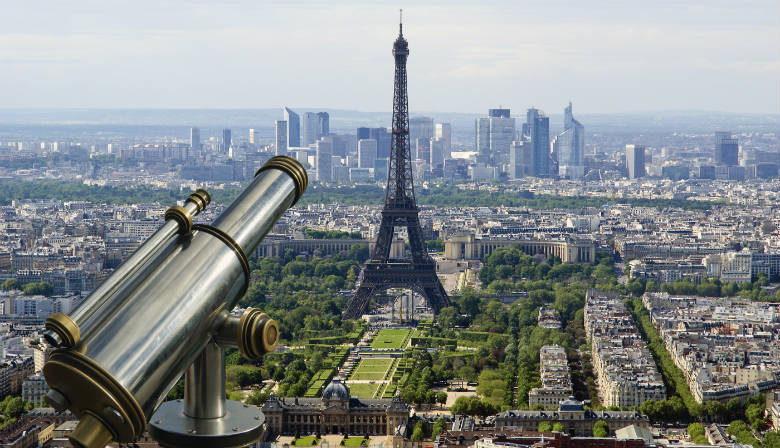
{"points": [[527, 151]]}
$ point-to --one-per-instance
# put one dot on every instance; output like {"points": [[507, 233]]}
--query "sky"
{"points": [[606, 56]]}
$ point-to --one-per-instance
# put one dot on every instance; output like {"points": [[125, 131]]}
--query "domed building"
{"points": [[336, 412]]}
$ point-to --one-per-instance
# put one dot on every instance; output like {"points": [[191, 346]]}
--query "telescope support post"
{"points": [[205, 418], [204, 384]]}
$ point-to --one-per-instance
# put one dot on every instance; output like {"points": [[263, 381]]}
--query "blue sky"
{"points": [[605, 56]]}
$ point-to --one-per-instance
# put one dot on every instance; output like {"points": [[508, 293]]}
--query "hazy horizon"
{"points": [[606, 56]]}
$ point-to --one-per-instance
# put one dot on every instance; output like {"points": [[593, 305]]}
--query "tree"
{"points": [[473, 406], [418, 434], [772, 439], [557, 427], [544, 426], [636, 287], [441, 398], [447, 317], [13, 407], [9, 284], [439, 427], [469, 303], [177, 392], [257, 397], [600, 429], [696, 431], [651, 285], [38, 288]]}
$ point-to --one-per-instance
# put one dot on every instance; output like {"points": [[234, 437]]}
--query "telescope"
{"points": [[166, 312]]}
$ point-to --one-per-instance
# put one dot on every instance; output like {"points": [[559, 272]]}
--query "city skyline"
{"points": [[659, 57]]}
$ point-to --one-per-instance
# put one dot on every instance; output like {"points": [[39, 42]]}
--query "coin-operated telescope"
{"points": [[166, 311]]}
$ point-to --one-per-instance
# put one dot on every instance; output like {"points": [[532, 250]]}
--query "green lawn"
{"points": [[363, 390], [371, 369], [306, 441], [390, 338], [354, 442]]}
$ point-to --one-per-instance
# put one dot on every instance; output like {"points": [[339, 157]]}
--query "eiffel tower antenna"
{"points": [[381, 272], [401, 22]]}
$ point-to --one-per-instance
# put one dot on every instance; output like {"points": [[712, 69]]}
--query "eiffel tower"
{"points": [[381, 272]]}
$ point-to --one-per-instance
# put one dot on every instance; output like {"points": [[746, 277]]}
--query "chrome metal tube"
{"points": [[249, 218], [228, 331], [204, 384], [104, 296], [160, 320]]}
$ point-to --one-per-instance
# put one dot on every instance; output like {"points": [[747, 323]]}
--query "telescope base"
{"points": [[241, 425]]}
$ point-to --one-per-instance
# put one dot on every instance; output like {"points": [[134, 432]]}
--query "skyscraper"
{"points": [[437, 153], [195, 139], [254, 136], [323, 160], [494, 135], [382, 138], [635, 161], [280, 137], [444, 132], [517, 163], [323, 120], [315, 126], [502, 133], [423, 150], [366, 153], [293, 128], [310, 128], [482, 139], [226, 140], [420, 127], [569, 147], [537, 130], [726, 149]]}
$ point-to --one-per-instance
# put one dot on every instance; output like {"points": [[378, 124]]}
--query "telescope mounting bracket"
{"points": [[204, 418]]}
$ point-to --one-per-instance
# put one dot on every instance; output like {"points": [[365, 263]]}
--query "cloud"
{"points": [[464, 55]]}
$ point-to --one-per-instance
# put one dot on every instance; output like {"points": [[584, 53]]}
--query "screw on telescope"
{"points": [[114, 413]]}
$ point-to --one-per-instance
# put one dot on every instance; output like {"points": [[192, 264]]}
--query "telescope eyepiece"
{"points": [[61, 330], [201, 198]]}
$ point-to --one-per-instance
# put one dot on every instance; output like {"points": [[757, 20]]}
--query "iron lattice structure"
{"points": [[400, 210]]}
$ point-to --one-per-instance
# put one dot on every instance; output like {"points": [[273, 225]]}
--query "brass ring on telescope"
{"points": [[92, 390], [65, 328], [231, 243], [257, 334], [201, 198], [180, 215], [291, 167], [245, 333]]}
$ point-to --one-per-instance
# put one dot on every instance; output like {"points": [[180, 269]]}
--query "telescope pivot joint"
{"points": [[254, 333]]}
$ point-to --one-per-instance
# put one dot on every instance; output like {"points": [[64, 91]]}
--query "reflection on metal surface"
{"points": [[106, 297], [157, 320]]}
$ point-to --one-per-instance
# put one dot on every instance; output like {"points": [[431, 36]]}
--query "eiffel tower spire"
{"points": [[400, 210]]}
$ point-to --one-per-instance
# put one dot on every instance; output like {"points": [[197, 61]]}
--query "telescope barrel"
{"points": [[63, 330], [120, 371]]}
